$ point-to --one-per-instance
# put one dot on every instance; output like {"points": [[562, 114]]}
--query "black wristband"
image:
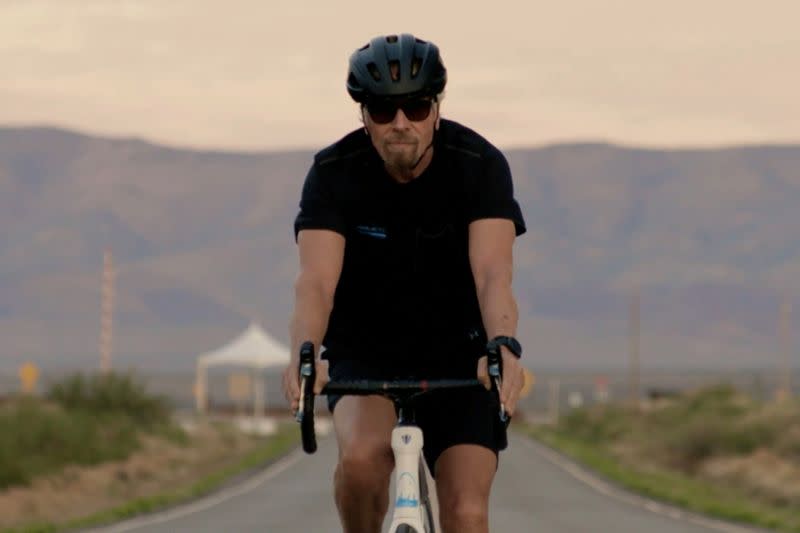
{"points": [[511, 343]]}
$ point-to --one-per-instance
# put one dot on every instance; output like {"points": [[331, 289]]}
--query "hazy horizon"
{"points": [[249, 76]]}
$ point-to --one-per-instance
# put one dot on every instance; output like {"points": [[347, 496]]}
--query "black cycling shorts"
{"points": [[446, 417]]}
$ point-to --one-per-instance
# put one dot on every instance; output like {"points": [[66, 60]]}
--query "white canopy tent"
{"points": [[255, 349]]}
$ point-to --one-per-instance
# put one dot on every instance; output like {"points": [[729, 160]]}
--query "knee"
{"points": [[365, 464], [462, 512]]}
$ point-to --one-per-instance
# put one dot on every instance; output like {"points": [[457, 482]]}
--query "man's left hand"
{"points": [[513, 379]]}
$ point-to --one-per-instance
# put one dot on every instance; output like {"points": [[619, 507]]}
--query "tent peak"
{"points": [[253, 347]]}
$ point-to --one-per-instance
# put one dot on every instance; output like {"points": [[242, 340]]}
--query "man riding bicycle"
{"points": [[405, 235]]}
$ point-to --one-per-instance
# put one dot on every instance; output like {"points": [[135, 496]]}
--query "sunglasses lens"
{"points": [[384, 112], [381, 112], [417, 110]]}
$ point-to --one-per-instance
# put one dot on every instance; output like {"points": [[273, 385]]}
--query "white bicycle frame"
{"points": [[409, 514], [407, 447]]}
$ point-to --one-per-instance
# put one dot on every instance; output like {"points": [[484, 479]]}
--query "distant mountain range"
{"points": [[203, 244]]}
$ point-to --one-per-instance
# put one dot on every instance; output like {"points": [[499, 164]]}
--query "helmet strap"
{"points": [[433, 138]]}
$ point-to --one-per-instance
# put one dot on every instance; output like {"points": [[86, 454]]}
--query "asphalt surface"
{"points": [[536, 490]]}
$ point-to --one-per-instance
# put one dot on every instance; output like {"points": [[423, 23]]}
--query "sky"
{"points": [[255, 75]]}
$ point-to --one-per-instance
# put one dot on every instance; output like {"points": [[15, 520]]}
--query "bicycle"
{"points": [[412, 510]]}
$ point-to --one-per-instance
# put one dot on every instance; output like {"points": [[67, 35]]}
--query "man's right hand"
{"points": [[291, 381]]}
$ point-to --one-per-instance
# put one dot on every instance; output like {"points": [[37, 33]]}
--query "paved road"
{"points": [[536, 491]]}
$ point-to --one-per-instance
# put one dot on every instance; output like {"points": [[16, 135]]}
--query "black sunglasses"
{"points": [[384, 111]]}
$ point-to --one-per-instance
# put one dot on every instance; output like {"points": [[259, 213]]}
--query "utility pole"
{"points": [[634, 342], [107, 313], [785, 378]]}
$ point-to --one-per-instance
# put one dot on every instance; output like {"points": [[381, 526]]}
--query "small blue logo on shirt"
{"points": [[372, 231]]}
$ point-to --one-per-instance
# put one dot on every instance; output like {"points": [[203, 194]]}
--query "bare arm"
{"points": [[491, 258], [321, 258]]}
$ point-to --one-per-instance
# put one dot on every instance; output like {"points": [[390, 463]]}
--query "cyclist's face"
{"points": [[402, 141]]}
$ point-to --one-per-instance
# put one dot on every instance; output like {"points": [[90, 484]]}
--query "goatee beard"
{"points": [[401, 166], [401, 163]]}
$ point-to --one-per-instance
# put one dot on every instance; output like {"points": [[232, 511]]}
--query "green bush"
{"points": [[36, 439], [787, 439], [674, 439], [111, 394], [691, 443], [85, 420], [751, 433], [602, 424], [701, 424], [720, 402], [721, 398]]}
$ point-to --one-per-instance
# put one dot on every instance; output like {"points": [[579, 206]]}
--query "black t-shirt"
{"points": [[406, 291]]}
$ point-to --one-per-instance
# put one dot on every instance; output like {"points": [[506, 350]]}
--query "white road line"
{"points": [[209, 501], [608, 490]]}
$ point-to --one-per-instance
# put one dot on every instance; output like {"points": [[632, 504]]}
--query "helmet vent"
{"points": [[374, 72], [394, 69], [363, 47], [416, 64], [391, 38]]}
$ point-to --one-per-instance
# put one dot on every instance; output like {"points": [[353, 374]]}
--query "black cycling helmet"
{"points": [[395, 66]]}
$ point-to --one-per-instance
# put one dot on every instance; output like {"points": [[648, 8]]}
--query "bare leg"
{"points": [[363, 427], [464, 475]]}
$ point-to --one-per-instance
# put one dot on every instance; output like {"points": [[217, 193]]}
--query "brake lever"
{"points": [[305, 412], [495, 369], [306, 376]]}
